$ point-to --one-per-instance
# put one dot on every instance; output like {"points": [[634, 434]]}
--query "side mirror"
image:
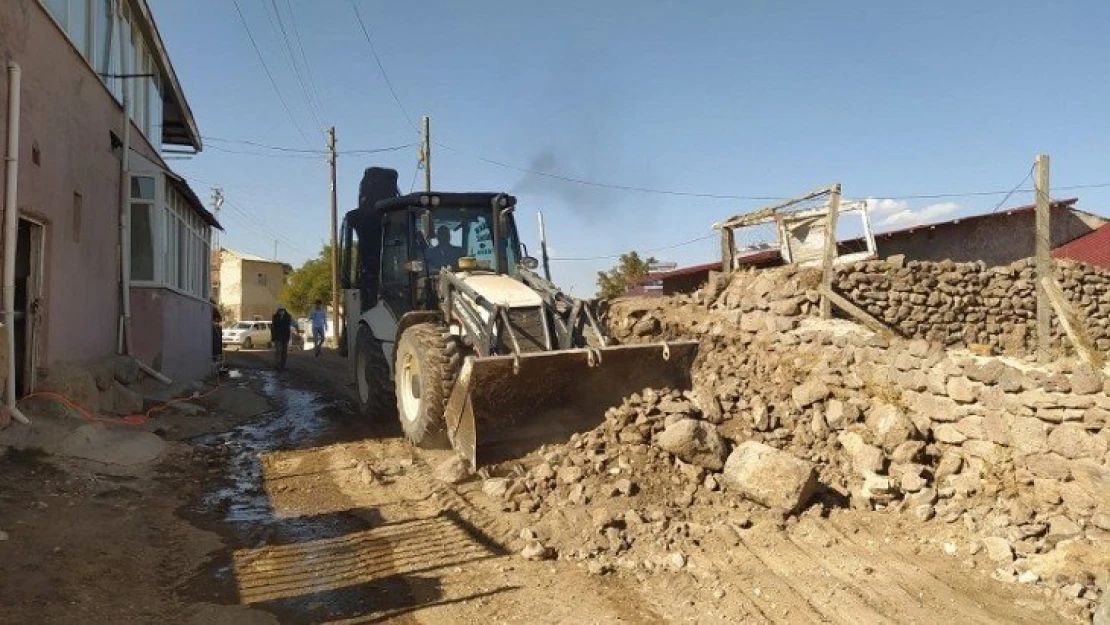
{"points": [[529, 263]]}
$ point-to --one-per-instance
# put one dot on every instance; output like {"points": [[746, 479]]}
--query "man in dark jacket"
{"points": [[281, 328]]}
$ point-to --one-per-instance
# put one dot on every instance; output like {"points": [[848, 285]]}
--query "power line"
{"points": [[647, 251], [1014, 190], [263, 154], [392, 148], [304, 57], [253, 222], [619, 187], [381, 67], [291, 56], [266, 68], [761, 198]]}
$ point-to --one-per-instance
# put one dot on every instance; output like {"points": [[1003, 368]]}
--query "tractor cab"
{"points": [[423, 234]]}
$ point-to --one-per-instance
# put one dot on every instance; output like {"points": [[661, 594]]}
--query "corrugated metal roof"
{"points": [[1092, 248]]}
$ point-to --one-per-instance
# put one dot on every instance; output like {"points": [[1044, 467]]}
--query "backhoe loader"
{"points": [[441, 298]]}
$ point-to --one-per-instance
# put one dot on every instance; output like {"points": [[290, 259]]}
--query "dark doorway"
{"points": [[28, 298]]}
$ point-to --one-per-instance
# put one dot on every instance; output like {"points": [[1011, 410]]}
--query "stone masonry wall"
{"points": [[969, 303]]}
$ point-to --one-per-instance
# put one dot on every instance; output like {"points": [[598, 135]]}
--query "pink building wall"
{"points": [[67, 115], [172, 332]]}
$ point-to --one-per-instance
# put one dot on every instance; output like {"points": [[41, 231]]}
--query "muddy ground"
{"points": [[307, 513]]}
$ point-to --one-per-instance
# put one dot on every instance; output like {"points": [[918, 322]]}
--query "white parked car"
{"points": [[248, 334]]}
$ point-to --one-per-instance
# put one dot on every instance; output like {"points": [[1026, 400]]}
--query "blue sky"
{"points": [[753, 98]]}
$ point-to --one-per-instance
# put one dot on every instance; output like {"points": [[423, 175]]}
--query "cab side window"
{"points": [[394, 247]]}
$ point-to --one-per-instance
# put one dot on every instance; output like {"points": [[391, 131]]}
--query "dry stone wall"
{"points": [[969, 303]]}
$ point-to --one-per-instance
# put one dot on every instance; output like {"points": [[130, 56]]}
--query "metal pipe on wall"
{"points": [[11, 230]]}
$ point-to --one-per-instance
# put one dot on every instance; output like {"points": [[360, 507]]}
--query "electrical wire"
{"points": [[291, 55], [647, 251], [415, 173], [392, 148], [312, 155], [253, 222], [381, 67], [591, 183], [304, 57], [1017, 186], [266, 68], [762, 198]]}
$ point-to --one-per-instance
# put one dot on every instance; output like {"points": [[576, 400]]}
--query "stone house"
{"points": [[76, 60], [249, 285]]}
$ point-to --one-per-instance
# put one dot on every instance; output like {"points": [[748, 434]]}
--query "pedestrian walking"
{"points": [[319, 319], [281, 328]]}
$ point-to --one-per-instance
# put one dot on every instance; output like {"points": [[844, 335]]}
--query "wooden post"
{"points": [[830, 250], [1073, 326], [1042, 245], [728, 249]]}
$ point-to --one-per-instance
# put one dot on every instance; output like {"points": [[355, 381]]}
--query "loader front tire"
{"points": [[372, 376], [424, 372]]}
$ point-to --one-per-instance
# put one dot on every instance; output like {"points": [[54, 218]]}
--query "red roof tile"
{"points": [[1092, 248]]}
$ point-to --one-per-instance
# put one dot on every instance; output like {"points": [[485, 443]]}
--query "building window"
{"points": [[262, 279], [169, 239], [107, 34], [142, 228]]}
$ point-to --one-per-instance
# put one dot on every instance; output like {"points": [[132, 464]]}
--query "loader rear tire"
{"points": [[375, 393], [424, 372]]}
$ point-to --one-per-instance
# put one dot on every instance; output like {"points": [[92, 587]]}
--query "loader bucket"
{"points": [[503, 406]]}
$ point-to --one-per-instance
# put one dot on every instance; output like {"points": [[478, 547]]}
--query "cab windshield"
{"points": [[458, 232]]}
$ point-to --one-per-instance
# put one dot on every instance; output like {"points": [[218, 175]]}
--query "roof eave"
{"points": [[191, 131]]}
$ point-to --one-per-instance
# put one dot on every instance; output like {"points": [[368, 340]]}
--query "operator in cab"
{"points": [[443, 254]]}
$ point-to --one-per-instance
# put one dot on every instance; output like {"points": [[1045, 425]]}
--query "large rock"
{"points": [[770, 477], [695, 442], [1086, 381], [73, 382], [453, 470], [120, 400], [865, 458], [810, 392], [890, 426], [1072, 440]]}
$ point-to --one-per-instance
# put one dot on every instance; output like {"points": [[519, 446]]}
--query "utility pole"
{"points": [[217, 204], [1044, 260], [426, 151], [275, 249], [334, 237]]}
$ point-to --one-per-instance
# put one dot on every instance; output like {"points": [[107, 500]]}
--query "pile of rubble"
{"points": [[791, 413]]}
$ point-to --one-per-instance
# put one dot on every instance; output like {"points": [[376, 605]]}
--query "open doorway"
{"points": [[28, 302]]}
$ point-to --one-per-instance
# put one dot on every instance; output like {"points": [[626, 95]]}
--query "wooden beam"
{"points": [[857, 313], [1073, 326], [754, 217], [830, 248]]}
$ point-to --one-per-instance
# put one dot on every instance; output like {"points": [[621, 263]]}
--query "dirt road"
{"points": [[310, 514]]}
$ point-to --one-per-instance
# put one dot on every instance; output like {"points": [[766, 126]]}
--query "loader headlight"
{"points": [[529, 263], [424, 200], [435, 200]]}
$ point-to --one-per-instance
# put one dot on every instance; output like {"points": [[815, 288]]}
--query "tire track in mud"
{"points": [[988, 606]]}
